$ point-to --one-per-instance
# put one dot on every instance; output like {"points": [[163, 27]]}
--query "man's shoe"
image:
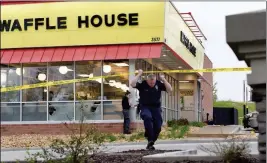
{"points": [[150, 146], [127, 132]]}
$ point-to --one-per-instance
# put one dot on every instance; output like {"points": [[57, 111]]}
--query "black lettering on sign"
{"points": [[48, 26], [112, 20], [133, 19], [5, 25], [38, 22], [155, 39], [16, 25], [96, 20], [83, 21], [108, 20], [122, 19], [27, 23], [188, 44], [62, 23]]}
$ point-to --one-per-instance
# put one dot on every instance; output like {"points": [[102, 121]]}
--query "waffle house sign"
{"points": [[81, 23]]}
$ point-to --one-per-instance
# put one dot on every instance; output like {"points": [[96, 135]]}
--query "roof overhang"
{"points": [[81, 53], [246, 34]]}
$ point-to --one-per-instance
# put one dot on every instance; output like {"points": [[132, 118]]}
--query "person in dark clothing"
{"points": [[51, 108], [125, 110], [150, 104]]}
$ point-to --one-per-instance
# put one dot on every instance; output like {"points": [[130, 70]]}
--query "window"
{"points": [[10, 76], [88, 90], [112, 110], [34, 106], [89, 110], [60, 97], [117, 83], [10, 112], [61, 71]]}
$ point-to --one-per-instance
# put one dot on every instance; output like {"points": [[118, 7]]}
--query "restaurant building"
{"points": [[46, 42]]}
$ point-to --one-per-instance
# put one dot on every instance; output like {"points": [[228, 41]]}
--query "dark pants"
{"points": [[126, 123], [152, 121]]}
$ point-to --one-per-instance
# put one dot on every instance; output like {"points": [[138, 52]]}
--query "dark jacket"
{"points": [[125, 103]]}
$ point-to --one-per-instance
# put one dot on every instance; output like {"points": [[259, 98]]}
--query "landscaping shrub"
{"points": [[82, 142], [179, 122], [234, 151], [197, 124]]}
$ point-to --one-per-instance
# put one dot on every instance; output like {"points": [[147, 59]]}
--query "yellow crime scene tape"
{"points": [[61, 82]]}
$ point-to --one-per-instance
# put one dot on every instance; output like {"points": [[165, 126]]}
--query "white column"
{"points": [[178, 98], [133, 98], [196, 100]]}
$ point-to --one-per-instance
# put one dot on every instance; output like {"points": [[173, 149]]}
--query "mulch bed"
{"points": [[135, 156]]}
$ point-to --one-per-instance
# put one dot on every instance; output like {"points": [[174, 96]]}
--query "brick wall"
{"points": [[206, 86], [59, 129]]}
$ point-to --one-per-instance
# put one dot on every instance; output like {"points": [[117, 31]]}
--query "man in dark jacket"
{"points": [[150, 104], [125, 110]]}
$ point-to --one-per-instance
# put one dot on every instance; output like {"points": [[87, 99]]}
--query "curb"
{"points": [[182, 141], [188, 155]]}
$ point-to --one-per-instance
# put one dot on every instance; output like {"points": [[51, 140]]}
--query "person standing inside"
{"points": [[125, 110], [150, 104]]}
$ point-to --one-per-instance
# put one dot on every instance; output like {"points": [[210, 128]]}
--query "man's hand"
{"points": [[140, 72], [162, 77]]}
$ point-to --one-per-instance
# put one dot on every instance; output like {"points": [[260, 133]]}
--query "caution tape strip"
{"points": [[61, 82]]}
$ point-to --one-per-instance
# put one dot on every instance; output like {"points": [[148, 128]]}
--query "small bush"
{"points": [[111, 138], [137, 136], [179, 122], [231, 152], [81, 143], [197, 124], [183, 131]]}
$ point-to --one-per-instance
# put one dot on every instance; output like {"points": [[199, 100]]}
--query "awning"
{"points": [[81, 53]]}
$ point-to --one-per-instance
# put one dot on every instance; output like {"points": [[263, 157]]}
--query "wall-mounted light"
{"points": [[180, 67], [41, 77], [184, 81], [106, 68], [63, 69], [18, 71], [121, 64]]}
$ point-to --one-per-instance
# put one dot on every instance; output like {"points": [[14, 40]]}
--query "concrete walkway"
{"points": [[14, 155], [216, 131], [176, 141]]}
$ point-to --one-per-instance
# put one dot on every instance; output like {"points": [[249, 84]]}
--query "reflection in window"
{"points": [[115, 86], [61, 71], [10, 76], [34, 111], [33, 74], [88, 90], [10, 112], [112, 110], [61, 111], [91, 110]]}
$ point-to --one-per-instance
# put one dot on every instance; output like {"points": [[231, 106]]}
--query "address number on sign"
{"points": [[155, 39]]}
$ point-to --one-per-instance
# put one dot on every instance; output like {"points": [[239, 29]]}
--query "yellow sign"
{"points": [[61, 82], [81, 23]]}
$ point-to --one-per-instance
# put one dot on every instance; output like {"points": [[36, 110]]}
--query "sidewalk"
{"points": [[178, 141], [216, 131], [14, 155]]}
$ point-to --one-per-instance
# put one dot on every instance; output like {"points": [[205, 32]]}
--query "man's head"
{"points": [[151, 80], [128, 93]]}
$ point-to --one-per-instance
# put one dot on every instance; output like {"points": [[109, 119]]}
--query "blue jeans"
{"points": [[126, 123], [152, 121]]}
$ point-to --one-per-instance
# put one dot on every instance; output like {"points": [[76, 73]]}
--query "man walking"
{"points": [[150, 104], [125, 110]]}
